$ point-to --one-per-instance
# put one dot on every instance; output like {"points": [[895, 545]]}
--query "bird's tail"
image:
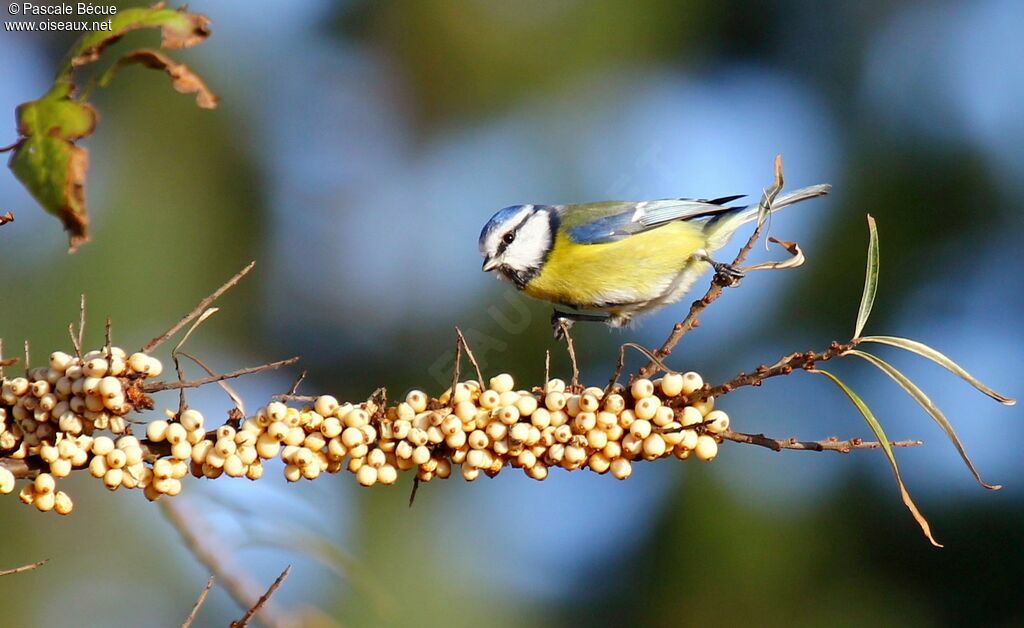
{"points": [[720, 228]]}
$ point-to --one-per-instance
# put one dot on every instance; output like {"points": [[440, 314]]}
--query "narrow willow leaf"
{"points": [[867, 300], [924, 350], [876, 427], [921, 398]]}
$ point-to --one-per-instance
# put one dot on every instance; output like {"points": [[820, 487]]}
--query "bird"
{"points": [[611, 261]]}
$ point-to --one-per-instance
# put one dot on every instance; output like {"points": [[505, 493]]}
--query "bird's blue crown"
{"points": [[502, 216]]}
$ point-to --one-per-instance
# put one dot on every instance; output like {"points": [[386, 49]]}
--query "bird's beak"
{"points": [[490, 264]]}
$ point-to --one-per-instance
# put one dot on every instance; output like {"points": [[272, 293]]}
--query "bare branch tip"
{"points": [[24, 568]]}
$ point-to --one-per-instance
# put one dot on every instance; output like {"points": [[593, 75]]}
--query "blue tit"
{"points": [[621, 259]]}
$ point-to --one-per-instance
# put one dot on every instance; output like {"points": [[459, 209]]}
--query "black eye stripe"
{"points": [[503, 244]]}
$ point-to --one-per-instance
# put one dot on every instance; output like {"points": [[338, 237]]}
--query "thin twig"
{"points": [[74, 340], [180, 372], [199, 603], [176, 351], [199, 309], [235, 399], [829, 444], [456, 371], [300, 398], [5, 362], [622, 361], [208, 551], [547, 368], [28, 356], [415, 489], [570, 347], [24, 568], [298, 381], [472, 358], [244, 621], [614, 379], [108, 338], [691, 321], [195, 383], [81, 321]]}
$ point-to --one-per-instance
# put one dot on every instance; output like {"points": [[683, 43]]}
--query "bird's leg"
{"points": [[565, 320], [725, 274]]}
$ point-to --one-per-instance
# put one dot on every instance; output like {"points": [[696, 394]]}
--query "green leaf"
{"points": [[876, 427], [921, 398], [924, 350], [867, 300]]}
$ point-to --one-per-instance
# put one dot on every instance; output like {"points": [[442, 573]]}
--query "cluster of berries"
{"points": [[54, 418], [484, 429], [51, 414]]}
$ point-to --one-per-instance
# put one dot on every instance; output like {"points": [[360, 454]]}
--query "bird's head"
{"points": [[516, 241]]}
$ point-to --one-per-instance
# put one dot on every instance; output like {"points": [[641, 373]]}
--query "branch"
{"points": [[570, 348], [785, 366], [469, 354], [199, 603], [244, 621], [199, 309], [24, 568], [195, 383], [829, 444]]}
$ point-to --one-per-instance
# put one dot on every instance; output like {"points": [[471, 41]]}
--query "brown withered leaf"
{"points": [[184, 79], [795, 260], [178, 29]]}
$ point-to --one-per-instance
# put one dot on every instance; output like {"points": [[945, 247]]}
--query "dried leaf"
{"points": [[921, 398], [178, 29], [184, 79], [867, 300], [768, 196], [876, 427], [795, 260], [924, 350]]}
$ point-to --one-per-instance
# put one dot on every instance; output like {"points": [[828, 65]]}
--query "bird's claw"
{"points": [[560, 324], [727, 275]]}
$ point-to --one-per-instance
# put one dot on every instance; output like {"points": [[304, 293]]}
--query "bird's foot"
{"points": [[561, 322], [727, 275]]}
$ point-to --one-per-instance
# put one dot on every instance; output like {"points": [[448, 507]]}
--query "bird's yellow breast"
{"points": [[633, 270]]}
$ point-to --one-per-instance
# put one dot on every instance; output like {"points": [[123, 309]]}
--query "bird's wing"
{"points": [[598, 223]]}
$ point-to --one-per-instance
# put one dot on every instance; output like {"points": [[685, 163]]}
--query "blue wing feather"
{"points": [[644, 216], [607, 229]]}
